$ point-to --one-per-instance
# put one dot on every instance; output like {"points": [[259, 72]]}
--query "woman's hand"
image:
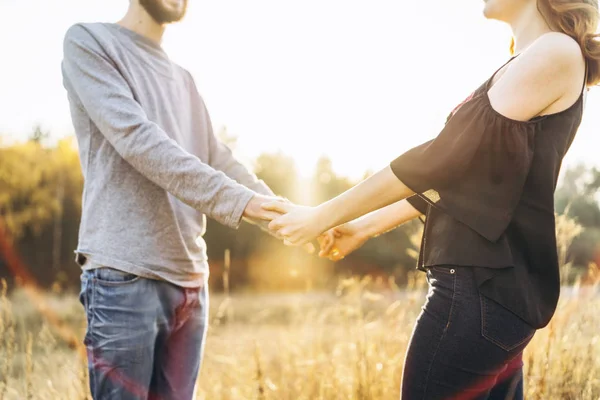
{"points": [[338, 242], [298, 225]]}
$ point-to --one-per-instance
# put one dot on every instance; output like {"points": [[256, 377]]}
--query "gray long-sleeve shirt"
{"points": [[152, 166]]}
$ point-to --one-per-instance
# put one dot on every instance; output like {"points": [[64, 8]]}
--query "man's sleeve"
{"points": [[222, 159], [92, 77], [220, 156]]}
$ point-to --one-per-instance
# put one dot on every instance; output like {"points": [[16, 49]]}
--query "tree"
{"points": [[38, 135], [576, 197], [40, 205], [27, 198], [325, 183], [279, 172]]}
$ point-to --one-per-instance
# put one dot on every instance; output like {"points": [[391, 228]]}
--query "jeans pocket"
{"points": [[83, 288], [502, 327], [84, 299], [113, 277], [443, 269], [441, 276]]}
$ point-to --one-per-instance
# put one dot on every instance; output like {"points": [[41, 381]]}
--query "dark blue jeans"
{"points": [[464, 345], [144, 337]]}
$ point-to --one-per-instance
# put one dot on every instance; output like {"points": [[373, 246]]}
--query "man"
{"points": [[153, 169]]}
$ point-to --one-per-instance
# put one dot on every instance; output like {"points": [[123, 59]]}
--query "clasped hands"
{"points": [[299, 225]]}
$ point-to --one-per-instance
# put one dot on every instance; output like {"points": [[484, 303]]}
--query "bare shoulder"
{"points": [[553, 57], [554, 52], [545, 77]]}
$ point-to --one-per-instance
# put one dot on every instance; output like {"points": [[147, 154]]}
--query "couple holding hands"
{"points": [[154, 170], [346, 222]]}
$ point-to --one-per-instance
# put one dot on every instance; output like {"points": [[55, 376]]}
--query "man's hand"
{"points": [[299, 224], [256, 213]]}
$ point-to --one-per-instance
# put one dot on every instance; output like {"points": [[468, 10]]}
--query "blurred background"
{"points": [[313, 96]]}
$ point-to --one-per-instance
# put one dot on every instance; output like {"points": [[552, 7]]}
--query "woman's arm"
{"points": [[379, 190], [387, 218], [340, 241]]}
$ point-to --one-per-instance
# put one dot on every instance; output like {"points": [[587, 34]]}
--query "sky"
{"points": [[360, 81]]}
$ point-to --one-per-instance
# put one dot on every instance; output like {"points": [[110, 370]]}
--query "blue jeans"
{"points": [[464, 345], [144, 337]]}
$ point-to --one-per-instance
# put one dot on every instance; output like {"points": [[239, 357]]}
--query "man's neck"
{"points": [[528, 27], [139, 21]]}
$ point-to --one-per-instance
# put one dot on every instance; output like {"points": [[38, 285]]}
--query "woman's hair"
{"points": [[579, 20]]}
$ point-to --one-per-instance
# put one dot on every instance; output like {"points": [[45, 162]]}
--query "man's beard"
{"points": [[162, 14]]}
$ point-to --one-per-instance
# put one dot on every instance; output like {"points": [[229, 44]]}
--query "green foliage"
{"points": [[34, 181], [40, 205], [576, 197]]}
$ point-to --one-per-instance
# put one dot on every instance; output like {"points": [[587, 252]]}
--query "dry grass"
{"points": [[349, 345]]}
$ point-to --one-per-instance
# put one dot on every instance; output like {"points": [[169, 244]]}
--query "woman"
{"points": [[486, 186]]}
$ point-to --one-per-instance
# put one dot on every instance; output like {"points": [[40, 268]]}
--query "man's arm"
{"points": [[91, 77], [221, 158]]}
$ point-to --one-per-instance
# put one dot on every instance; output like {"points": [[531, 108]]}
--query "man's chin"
{"points": [[166, 12], [175, 19], [175, 10]]}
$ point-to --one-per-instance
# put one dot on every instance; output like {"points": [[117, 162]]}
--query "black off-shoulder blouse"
{"points": [[486, 185]]}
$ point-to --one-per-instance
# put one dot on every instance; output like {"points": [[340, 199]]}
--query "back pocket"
{"points": [[502, 327]]}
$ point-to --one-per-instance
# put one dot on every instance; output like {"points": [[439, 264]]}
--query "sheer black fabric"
{"points": [[486, 185]]}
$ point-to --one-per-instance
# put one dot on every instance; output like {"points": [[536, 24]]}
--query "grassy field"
{"points": [[344, 345]]}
